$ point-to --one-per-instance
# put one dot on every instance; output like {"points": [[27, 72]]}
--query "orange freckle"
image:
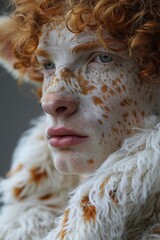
{"points": [[118, 89], [134, 114], [37, 174], [125, 102], [89, 211], [62, 88], [100, 121], [66, 73], [129, 132], [104, 88], [105, 116], [107, 109], [125, 115], [90, 161], [118, 80], [143, 113], [114, 129], [83, 84], [91, 88], [111, 92], [97, 100], [124, 87], [119, 122]]}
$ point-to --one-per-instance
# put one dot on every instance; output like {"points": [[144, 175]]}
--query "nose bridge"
{"points": [[63, 81], [60, 100]]}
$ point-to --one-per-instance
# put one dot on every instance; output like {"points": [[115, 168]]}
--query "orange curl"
{"points": [[135, 24]]}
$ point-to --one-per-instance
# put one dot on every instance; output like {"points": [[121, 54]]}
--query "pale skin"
{"points": [[92, 97]]}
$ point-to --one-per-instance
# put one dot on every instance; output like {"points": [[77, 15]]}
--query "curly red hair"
{"points": [[135, 24]]}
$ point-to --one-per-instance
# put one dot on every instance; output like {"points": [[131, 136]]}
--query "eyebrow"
{"points": [[42, 53], [85, 47]]}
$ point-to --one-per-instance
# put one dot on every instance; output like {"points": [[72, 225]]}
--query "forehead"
{"points": [[57, 36]]}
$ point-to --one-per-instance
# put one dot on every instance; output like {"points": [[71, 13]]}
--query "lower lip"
{"points": [[66, 141]]}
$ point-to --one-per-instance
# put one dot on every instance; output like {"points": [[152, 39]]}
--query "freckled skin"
{"points": [[108, 93]]}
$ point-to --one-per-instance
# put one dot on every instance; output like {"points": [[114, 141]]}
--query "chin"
{"points": [[71, 163]]}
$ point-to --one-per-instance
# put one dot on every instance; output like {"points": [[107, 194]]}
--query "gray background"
{"points": [[17, 107]]}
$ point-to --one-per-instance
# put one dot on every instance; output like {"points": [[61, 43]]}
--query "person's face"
{"points": [[92, 98]]}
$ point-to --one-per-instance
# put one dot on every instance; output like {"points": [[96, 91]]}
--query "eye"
{"points": [[49, 65], [103, 58]]}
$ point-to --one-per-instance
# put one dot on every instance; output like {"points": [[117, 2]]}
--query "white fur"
{"points": [[133, 173], [28, 217]]}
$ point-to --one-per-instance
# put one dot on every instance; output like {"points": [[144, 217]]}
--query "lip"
{"points": [[64, 137]]}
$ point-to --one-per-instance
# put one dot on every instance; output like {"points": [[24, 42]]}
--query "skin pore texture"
{"points": [[92, 92]]}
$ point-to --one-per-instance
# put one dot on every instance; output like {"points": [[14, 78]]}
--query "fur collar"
{"points": [[111, 203]]}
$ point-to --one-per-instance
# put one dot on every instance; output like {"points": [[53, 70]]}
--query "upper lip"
{"points": [[61, 132]]}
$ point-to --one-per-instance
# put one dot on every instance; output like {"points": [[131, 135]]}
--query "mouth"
{"points": [[64, 137]]}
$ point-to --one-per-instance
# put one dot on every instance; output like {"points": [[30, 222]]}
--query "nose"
{"points": [[58, 105]]}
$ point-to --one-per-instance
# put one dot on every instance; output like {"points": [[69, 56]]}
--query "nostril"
{"points": [[61, 109]]}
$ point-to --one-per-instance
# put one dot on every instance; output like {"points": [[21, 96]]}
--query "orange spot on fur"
{"points": [[89, 211], [113, 196], [102, 186], [63, 231], [46, 197], [37, 174], [17, 192]]}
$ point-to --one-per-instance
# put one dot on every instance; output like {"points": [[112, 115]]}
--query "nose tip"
{"points": [[59, 105]]}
